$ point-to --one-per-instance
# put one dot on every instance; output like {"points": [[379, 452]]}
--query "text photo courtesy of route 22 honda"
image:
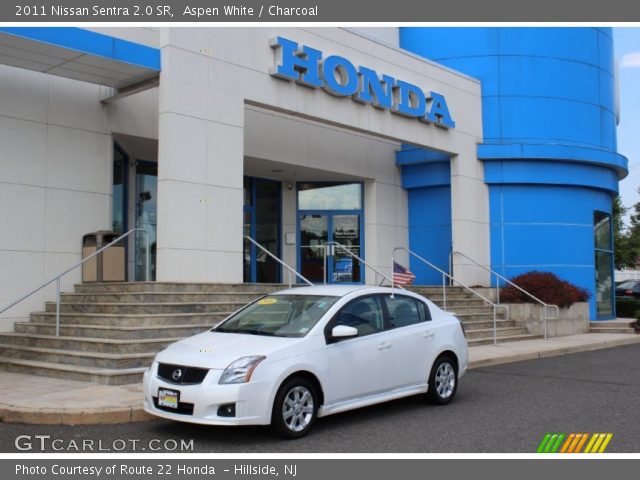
{"points": [[307, 352]]}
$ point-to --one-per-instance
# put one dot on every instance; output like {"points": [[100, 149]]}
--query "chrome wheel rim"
{"points": [[445, 380], [297, 409]]}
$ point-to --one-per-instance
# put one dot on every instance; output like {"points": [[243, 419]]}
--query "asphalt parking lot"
{"points": [[507, 408]]}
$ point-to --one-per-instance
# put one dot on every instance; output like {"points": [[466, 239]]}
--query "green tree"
{"points": [[623, 255], [632, 245]]}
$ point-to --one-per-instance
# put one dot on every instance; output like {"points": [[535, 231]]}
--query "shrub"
{"points": [[547, 287], [627, 307]]}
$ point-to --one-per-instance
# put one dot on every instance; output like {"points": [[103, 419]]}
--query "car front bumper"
{"points": [[251, 400]]}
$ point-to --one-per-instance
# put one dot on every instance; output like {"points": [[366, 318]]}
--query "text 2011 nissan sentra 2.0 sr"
{"points": [[302, 353]]}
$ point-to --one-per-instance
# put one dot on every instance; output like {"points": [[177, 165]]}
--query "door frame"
{"points": [[251, 209], [330, 214]]}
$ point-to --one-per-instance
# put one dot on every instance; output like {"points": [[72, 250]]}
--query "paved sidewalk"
{"points": [[487, 355], [52, 401], [43, 400]]}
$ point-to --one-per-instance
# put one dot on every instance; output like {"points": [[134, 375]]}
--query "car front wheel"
{"points": [[295, 408], [443, 381]]}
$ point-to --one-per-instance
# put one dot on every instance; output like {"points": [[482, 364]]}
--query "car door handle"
{"points": [[384, 346], [428, 334]]}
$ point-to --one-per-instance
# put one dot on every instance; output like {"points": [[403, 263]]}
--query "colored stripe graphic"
{"points": [[556, 442], [543, 443], [556, 445], [598, 442], [567, 442], [607, 439], [582, 441]]}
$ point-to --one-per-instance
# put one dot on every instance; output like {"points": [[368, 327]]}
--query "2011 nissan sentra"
{"points": [[302, 353]]}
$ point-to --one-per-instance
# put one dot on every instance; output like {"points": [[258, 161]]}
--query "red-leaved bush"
{"points": [[547, 287]]}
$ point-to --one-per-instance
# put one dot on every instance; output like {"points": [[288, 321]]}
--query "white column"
{"points": [[200, 170], [470, 216]]}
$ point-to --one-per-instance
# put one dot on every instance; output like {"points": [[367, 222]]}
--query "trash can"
{"points": [[110, 265]]}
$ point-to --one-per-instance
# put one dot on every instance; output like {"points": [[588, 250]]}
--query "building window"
{"points": [[603, 240], [329, 196]]}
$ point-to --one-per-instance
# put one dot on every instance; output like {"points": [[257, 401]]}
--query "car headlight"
{"points": [[240, 370]]}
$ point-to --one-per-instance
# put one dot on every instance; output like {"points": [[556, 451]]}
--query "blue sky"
{"points": [[627, 52]]}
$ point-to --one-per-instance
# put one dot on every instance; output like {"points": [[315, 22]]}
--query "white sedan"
{"points": [[303, 353]]}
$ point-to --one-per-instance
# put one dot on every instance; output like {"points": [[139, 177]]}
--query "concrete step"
{"points": [[73, 357], [149, 287], [611, 330], [613, 326], [131, 320], [471, 310], [501, 332], [462, 302], [437, 296], [470, 317], [437, 289], [73, 372], [149, 308], [112, 332], [160, 297], [510, 338], [471, 325], [96, 345]]}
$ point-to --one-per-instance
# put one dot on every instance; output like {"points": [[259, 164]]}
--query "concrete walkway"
{"points": [[486, 355], [43, 400]]}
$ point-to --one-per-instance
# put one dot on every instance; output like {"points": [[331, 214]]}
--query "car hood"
{"points": [[217, 350]]}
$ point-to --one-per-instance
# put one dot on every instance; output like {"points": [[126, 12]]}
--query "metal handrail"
{"points": [[82, 262], [502, 277], [445, 275], [288, 267], [353, 255]]}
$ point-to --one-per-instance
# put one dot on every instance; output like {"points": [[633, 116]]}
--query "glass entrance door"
{"points": [[345, 230], [323, 263], [330, 212], [146, 219], [314, 235]]}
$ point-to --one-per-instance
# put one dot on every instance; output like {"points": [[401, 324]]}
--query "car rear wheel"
{"points": [[443, 381], [295, 408]]}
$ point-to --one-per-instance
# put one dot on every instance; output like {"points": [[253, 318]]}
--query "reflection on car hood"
{"points": [[218, 350]]}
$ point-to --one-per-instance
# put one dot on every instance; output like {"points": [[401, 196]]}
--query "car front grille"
{"points": [[187, 375], [183, 407]]}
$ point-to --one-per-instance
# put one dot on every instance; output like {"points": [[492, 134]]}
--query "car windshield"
{"points": [[627, 284], [279, 315]]}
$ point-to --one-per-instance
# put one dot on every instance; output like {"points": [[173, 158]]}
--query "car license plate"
{"points": [[168, 398]]}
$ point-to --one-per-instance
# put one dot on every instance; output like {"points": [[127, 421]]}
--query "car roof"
{"points": [[338, 290]]}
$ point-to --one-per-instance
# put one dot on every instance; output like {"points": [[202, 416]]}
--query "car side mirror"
{"points": [[343, 331]]}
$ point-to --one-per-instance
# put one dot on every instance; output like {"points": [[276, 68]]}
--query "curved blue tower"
{"points": [[549, 150]]}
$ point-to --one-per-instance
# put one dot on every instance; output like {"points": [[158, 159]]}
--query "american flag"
{"points": [[401, 275]]}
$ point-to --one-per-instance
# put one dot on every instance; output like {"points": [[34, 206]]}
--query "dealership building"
{"points": [[468, 146]]}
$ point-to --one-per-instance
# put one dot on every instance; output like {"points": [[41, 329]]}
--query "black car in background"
{"points": [[628, 289]]}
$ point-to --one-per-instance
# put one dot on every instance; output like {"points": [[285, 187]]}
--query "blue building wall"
{"points": [[427, 177], [549, 121]]}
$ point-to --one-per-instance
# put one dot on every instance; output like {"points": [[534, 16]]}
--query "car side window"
{"points": [[423, 309], [364, 314], [403, 311]]}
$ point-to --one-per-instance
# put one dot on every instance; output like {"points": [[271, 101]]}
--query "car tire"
{"points": [[295, 408], [443, 381]]}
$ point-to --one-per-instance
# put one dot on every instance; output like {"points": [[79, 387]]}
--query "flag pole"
{"points": [[393, 263]]}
